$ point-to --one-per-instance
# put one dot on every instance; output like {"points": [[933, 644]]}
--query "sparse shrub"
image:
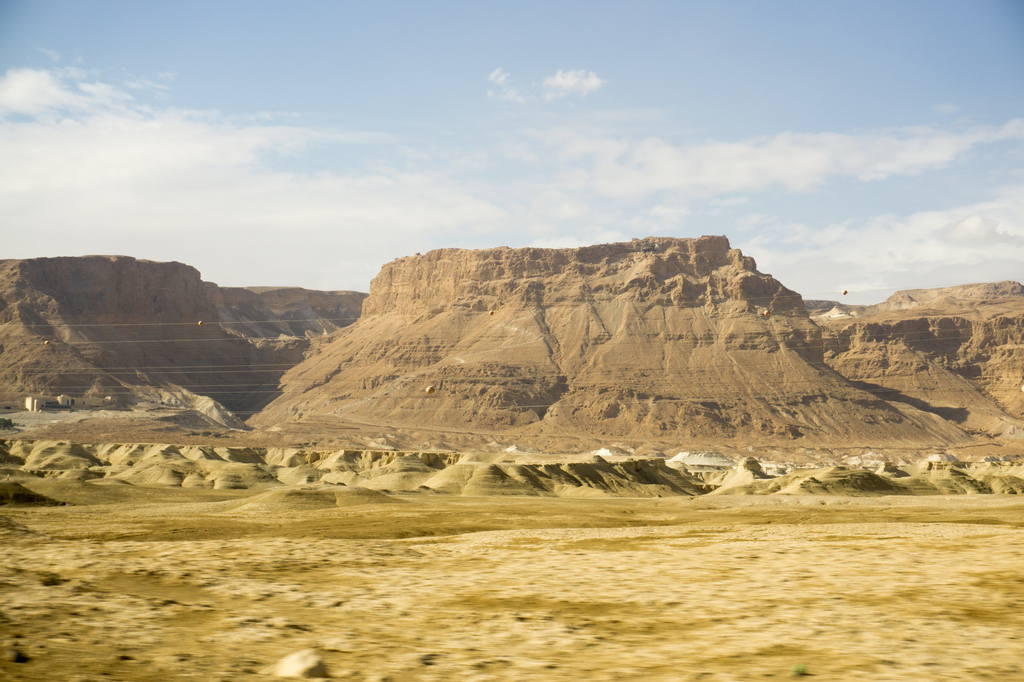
{"points": [[6, 423], [800, 670]]}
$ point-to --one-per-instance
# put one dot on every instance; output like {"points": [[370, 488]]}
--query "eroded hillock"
{"points": [[232, 468]]}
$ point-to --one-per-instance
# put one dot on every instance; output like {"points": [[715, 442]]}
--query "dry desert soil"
{"points": [[136, 583]]}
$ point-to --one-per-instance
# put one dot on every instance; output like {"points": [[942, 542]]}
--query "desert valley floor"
{"points": [[153, 583]]}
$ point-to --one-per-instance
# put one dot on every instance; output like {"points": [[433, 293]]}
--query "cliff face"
{"points": [[957, 352], [664, 339], [99, 326], [676, 338], [959, 298], [289, 311]]}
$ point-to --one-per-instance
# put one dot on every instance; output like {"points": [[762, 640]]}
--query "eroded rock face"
{"points": [[99, 326], [654, 337], [289, 311], [957, 352], [959, 296]]}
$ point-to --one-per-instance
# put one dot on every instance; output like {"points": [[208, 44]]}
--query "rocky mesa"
{"points": [[957, 352], [653, 338], [114, 330]]}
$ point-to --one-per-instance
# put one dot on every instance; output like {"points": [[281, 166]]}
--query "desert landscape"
{"points": [[138, 583], [640, 460], [465, 341]]}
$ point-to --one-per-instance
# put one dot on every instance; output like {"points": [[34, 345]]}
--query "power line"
{"points": [[781, 296], [192, 323], [636, 379], [589, 381], [826, 338]]}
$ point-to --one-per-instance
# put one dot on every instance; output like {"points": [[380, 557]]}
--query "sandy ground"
{"points": [[168, 584]]}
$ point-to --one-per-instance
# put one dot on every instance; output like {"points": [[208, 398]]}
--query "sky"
{"points": [[846, 145]]}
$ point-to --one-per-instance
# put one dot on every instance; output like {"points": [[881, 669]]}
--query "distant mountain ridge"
{"points": [[115, 326], [657, 340], [948, 299]]}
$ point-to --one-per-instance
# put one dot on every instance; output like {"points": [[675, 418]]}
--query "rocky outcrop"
{"points": [[653, 343], [945, 298], [368, 470], [956, 352], [99, 327], [289, 311], [676, 338], [310, 477]]}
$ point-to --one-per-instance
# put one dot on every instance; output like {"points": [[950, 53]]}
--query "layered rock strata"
{"points": [[957, 352], [650, 338], [100, 327]]}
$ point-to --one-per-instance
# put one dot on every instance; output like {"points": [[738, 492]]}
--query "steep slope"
{"points": [[255, 312], [957, 352], [679, 338], [136, 330]]}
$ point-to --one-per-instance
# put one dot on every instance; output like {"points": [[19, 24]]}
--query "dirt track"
{"points": [[150, 584]]}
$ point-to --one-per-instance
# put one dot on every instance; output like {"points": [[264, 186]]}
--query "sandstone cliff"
{"points": [[256, 312], [957, 352], [115, 326], [663, 338]]}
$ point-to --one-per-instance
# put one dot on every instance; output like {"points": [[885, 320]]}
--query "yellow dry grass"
{"points": [[161, 584]]}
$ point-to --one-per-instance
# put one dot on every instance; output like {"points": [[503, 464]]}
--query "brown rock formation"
{"points": [[99, 326], [289, 311], [663, 338], [957, 352]]}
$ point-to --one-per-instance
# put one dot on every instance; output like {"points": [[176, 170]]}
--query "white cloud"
{"points": [[145, 84], [503, 89], [40, 93], [560, 84], [53, 55], [579, 82], [499, 76], [982, 229], [31, 92], [729, 201], [628, 168], [111, 175], [93, 165], [979, 242]]}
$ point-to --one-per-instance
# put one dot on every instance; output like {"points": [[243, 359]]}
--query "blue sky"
{"points": [[862, 145]]}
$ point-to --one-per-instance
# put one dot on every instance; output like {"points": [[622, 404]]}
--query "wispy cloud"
{"points": [[499, 76], [41, 92], [557, 85], [97, 164], [53, 55], [631, 168], [165, 183], [578, 82], [145, 84], [503, 89], [982, 241]]}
